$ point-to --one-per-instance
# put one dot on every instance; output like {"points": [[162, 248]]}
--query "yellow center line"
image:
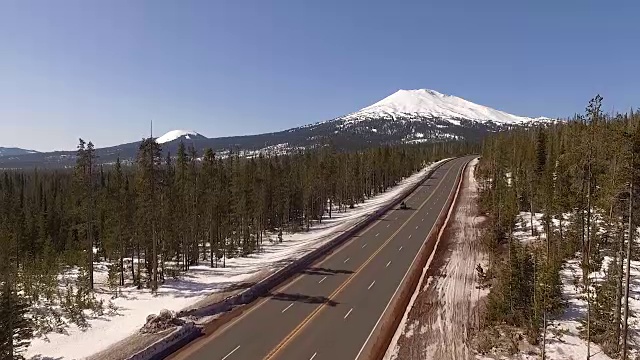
{"points": [[317, 310]]}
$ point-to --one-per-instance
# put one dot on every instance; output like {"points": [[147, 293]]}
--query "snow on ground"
{"points": [[133, 307], [442, 312], [564, 341], [524, 221], [199, 282], [522, 231]]}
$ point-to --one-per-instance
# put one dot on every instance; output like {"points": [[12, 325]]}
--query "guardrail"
{"points": [[393, 317], [168, 344], [179, 338]]}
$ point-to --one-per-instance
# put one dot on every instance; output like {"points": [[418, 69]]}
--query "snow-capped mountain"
{"points": [[179, 135], [412, 116], [406, 116], [429, 104]]}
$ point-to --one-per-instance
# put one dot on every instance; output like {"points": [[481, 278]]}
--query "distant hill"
{"points": [[12, 151]]}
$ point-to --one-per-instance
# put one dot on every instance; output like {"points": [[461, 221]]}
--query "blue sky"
{"points": [[102, 70]]}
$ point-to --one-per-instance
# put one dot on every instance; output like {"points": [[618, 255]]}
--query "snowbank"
{"points": [[199, 282]]}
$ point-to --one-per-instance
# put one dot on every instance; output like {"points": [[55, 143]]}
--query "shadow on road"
{"points": [[408, 209], [302, 298], [324, 271]]}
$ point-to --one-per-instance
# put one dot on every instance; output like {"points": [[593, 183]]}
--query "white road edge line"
{"points": [[232, 351], [313, 356], [370, 286], [345, 315], [287, 308], [321, 280], [389, 263], [397, 289]]}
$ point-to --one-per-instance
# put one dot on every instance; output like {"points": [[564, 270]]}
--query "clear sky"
{"points": [[102, 70]]}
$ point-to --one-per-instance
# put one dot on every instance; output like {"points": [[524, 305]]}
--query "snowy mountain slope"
{"points": [[424, 103]]}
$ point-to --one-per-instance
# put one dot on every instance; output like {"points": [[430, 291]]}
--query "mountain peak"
{"points": [[177, 134], [426, 103]]}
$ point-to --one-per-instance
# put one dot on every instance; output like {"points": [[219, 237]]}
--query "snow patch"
{"points": [[567, 343]]}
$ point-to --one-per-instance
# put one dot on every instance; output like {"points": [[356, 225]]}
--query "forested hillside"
{"points": [[154, 219], [582, 179]]}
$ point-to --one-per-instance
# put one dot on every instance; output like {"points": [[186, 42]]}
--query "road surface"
{"points": [[330, 310]]}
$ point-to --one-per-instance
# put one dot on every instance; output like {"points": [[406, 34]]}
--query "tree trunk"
{"points": [[587, 257], [138, 279], [531, 207], [625, 333], [133, 268], [154, 250], [211, 239], [121, 259], [89, 227], [154, 261], [510, 271], [10, 324], [618, 313]]}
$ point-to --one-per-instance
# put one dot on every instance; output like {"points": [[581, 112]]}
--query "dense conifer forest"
{"points": [[152, 220], [584, 177]]}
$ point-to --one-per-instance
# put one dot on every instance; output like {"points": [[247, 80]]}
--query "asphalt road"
{"points": [[330, 309]]}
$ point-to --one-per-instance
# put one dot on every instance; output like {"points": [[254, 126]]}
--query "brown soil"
{"points": [[445, 313]]}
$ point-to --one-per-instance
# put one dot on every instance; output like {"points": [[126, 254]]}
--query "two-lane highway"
{"points": [[330, 310]]}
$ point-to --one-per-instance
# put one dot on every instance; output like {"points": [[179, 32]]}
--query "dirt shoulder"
{"points": [[441, 321]]}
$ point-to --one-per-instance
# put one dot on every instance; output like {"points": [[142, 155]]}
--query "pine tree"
{"points": [[210, 192], [17, 327], [148, 189], [84, 178], [633, 184]]}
